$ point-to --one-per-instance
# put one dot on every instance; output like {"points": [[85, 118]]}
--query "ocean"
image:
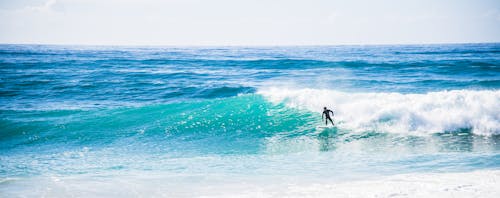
{"points": [[131, 121]]}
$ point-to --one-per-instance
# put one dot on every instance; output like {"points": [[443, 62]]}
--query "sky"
{"points": [[248, 22]]}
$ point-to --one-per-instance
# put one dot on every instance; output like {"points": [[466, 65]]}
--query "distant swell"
{"points": [[433, 112]]}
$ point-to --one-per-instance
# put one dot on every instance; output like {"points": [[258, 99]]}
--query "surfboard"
{"points": [[325, 127]]}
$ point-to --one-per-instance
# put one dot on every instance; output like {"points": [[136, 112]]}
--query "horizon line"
{"points": [[241, 45]]}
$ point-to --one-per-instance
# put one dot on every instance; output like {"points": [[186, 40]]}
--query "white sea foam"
{"points": [[482, 183], [433, 112]]}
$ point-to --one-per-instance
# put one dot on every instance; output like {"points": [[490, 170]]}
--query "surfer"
{"points": [[327, 113]]}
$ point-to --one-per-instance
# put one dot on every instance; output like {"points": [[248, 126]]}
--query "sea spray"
{"points": [[433, 112]]}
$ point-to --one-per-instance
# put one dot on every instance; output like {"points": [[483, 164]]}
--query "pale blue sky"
{"points": [[248, 22]]}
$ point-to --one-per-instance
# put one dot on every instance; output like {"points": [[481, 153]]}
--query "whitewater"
{"points": [[128, 121], [433, 112]]}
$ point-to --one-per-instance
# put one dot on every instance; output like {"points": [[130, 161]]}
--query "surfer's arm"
{"points": [[331, 112]]}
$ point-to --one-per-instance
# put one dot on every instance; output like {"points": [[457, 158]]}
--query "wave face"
{"points": [[238, 122], [219, 116], [433, 112]]}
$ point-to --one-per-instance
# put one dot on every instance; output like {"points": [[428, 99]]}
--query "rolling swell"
{"points": [[234, 124]]}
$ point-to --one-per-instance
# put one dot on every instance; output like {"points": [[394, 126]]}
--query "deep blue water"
{"points": [[248, 111]]}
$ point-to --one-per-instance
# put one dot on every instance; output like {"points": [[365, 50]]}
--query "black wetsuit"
{"points": [[327, 113]]}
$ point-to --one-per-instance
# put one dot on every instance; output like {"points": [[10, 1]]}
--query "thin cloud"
{"points": [[245, 22]]}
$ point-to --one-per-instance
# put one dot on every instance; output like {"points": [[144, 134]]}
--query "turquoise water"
{"points": [[247, 112]]}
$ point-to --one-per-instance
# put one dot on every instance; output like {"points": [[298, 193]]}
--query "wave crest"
{"points": [[477, 111]]}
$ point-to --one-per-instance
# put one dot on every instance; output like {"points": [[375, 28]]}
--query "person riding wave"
{"points": [[327, 113]]}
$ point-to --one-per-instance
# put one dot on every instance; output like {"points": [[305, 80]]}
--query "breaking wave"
{"points": [[477, 111]]}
